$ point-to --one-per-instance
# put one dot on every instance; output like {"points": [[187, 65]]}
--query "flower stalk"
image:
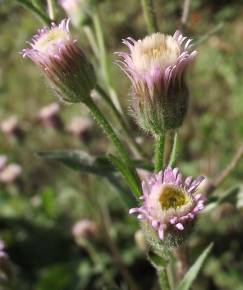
{"points": [[108, 130], [159, 152], [163, 279], [150, 16], [135, 146]]}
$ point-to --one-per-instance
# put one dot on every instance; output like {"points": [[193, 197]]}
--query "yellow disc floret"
{"points": [[172, 197]]}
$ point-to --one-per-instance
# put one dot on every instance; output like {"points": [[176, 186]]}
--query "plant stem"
{"points": [[123, 153], [163, 279], [206, 36], [104, 59], [149, 15], [185, 14], [50, 7], [214, 184], [91, 38], [42, 16], [174, 150], [159, 152], [107, 226], [138, 150]]}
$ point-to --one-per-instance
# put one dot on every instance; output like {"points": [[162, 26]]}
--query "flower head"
{"points": [[156, 66], [64, 63], [169, 202]]}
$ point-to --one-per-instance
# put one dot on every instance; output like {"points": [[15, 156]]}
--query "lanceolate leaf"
{"points": [[82, 161], [190, 276]]}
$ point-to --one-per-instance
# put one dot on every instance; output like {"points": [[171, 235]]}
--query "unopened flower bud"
{"points": [[67, 68], [156, 66], [84, 230], [170, 204], [49, 116]]}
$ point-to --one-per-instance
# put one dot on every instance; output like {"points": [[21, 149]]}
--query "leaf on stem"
{"points": [[192, 273], [41, 15]]}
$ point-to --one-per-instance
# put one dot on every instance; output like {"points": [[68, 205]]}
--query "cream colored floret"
{"points": [[47, 43], [156, 50]]}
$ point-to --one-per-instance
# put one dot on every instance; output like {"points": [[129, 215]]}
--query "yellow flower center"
{"points": [[47, 43], [172, 197], [156, 50]]}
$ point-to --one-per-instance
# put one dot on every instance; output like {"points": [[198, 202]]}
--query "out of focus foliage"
{"points": [[38, 212]]}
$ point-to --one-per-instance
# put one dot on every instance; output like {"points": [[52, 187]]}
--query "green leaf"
{"points": [[190, 276], [157, 261], [232, 195], [82, 161], [28, 5]]}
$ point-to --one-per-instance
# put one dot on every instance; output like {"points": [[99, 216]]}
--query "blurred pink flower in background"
{"points": [[84, 230], [80, 127], [49, 116], [10, 174], [11, 128]]}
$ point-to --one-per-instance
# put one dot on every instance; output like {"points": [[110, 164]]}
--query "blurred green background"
{"points": [[38, 211]]}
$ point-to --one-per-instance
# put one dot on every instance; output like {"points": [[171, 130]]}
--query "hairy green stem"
{"points": [[42, 16], [150, 16], [159, 152], [123, 153], [174, 150], [163, 279], [137, 149]]}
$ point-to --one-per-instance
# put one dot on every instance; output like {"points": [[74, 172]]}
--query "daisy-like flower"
{"points": [[170, 203], [63, 62], [156, 66]]}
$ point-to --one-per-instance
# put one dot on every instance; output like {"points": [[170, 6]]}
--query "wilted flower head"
{"points": [[77, 10], [83, 230], [49, 116], [170, 203], [64, 63], [156, 66], [10, 174]]}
